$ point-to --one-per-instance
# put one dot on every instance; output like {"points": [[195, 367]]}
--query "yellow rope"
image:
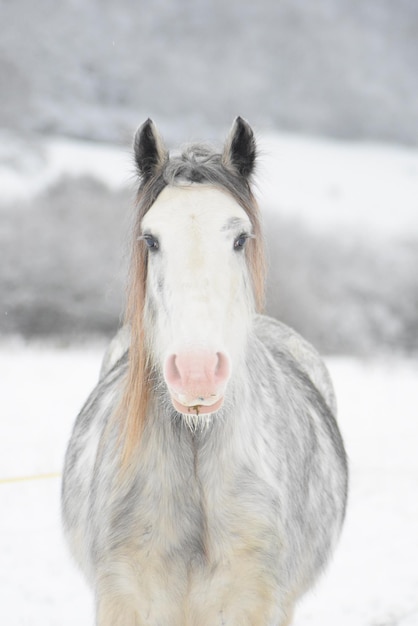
{"points": [[22, 479]]}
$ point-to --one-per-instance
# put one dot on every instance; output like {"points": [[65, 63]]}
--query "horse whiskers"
{"points": [[197, 423]]}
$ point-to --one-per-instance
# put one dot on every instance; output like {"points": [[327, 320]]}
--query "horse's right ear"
{"points": [[149, 150]]}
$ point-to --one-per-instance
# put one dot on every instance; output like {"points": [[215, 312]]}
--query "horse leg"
{"points": [[234, 600], [289, 618], [115, 611], [115, 596], [129, 595]]}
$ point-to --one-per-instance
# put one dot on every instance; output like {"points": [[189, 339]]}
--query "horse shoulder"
{"points": [[88, 433], [115, 350], [276, 335]]}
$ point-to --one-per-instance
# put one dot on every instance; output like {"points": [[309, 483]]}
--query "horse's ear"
{"points": [[149, 150], [240, 148]]}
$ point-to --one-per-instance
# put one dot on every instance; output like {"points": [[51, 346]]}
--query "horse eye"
{"points": [[151, 242], [240, 241]]}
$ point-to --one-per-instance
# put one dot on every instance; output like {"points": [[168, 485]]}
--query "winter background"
{"points": [[331, 90]]}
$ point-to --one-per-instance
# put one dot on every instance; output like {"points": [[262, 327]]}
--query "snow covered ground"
{"points": [[373, 579]]}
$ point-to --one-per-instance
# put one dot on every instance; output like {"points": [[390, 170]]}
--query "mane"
{"points": [[198, 163]]}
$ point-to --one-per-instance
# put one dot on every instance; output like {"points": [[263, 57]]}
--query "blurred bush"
{"points": [[346, 294], [64, 260]]}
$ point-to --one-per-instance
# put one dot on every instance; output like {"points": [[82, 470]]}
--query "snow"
{"points": [[37, 168], [329, 184], [373, 577]]}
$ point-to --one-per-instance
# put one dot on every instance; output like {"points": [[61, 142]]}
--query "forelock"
{"points": [[198, 163]]}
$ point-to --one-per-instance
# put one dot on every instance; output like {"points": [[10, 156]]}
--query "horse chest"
{"points": [[204, 512]]}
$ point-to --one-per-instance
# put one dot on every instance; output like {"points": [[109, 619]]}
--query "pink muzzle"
{"points": [[197, 380]]}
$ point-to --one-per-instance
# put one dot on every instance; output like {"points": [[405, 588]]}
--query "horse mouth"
{"points": [[198, 406]]}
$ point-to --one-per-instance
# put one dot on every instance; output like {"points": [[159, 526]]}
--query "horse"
{"points": [[205, 481]]}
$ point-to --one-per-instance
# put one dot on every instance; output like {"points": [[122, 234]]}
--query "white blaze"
{"points": [[199, 290]]}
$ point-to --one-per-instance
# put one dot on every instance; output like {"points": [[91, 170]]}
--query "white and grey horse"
{"points": [[205, 481]]}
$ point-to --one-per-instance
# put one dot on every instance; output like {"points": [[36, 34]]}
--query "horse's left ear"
{"points": [[150, 153], [240, 148]]}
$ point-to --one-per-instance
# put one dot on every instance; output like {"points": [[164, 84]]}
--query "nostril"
{"points": [[222, 367], [172, 373]]}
